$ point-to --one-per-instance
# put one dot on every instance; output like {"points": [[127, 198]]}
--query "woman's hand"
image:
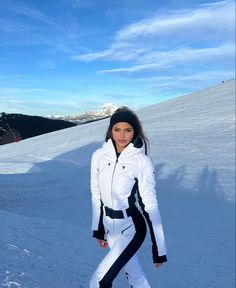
{"points": [[102, 243], [158, 265]]}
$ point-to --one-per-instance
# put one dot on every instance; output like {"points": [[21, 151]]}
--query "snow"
{"points": [[45, 210]]}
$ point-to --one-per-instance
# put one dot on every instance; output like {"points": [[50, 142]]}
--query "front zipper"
{"points": [[112, 176]]}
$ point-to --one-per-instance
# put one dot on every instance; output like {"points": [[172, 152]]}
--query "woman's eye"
{"points": [[126, 130]]}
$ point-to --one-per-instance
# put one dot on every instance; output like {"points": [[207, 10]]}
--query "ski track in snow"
{"points": [[45, 210]]}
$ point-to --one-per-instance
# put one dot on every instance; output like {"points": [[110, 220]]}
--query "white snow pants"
{"points": [[124, 237]]}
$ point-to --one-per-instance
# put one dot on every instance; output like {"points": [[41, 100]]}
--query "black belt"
{"points": [[118, 214]]}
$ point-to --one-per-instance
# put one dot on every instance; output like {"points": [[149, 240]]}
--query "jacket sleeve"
{"points": [[149, 204], [97, 205]]}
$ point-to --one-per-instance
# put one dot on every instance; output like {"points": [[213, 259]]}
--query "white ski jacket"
{"points": [[113, 179]]}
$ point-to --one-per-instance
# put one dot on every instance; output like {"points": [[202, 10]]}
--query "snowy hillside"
{"points": [[45, 211]]}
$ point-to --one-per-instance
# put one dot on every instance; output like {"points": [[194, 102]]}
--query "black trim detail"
{"points": [[114, 214], [155, 254], [117, 214], [126, 228], [100, 233], [162, 259], [131, 198]]}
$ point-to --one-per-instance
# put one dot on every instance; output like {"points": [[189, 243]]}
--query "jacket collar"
{"points": [[129, 150]]}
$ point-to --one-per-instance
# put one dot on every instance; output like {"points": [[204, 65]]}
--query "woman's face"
{"points": [[122, 134]]}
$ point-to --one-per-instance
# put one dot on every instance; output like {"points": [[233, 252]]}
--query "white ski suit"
{"points": [[121, 188]]}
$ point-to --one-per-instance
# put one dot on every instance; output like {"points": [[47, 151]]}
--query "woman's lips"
{"points": [[122, 141]]}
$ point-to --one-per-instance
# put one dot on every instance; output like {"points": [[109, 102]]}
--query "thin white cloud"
{"points": [[186, 56], [26, 25], [120, 50], [194, 77], [185, 82], [23, 10], [47, 65], [94, 56], [133, 69], [215, 23], [217, 18], [115, 53], [78, 3], [10, 26], [190, 54]]}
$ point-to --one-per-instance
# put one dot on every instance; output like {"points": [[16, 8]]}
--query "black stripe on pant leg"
{"points": [[128, 252]]}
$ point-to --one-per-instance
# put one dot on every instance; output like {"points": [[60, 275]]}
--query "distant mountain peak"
{"points": [[105, 111]]}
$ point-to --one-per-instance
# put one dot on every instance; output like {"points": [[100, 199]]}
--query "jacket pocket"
{"points": [[129, 231]]}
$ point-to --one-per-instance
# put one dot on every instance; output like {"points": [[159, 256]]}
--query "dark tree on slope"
{"points": [[29, 126], [9, 136]]}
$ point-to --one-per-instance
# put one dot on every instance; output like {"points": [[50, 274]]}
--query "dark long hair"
{"points": [[139, 136]]}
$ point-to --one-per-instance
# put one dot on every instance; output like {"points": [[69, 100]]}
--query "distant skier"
{"points": [[122, 175]]}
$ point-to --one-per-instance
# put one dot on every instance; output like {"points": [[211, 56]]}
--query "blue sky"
{"points": [[68, 56]]}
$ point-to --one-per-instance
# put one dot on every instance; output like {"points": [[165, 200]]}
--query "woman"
{"points": [[123, 191]]}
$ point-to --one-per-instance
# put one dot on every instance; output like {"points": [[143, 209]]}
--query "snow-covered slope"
{"points": [[195, 134], [45, 212]]}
